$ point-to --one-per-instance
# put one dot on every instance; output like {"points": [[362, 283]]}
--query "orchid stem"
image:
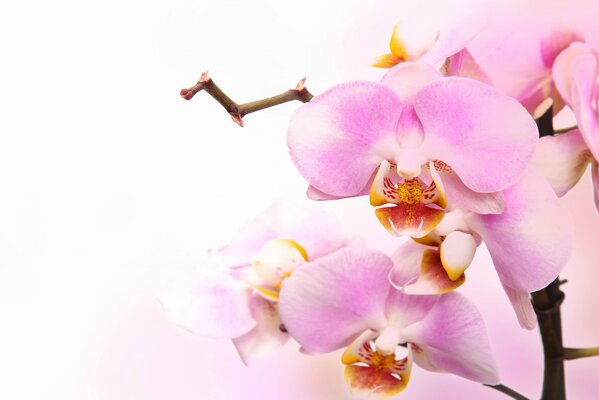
{"points": [[508, 391], [573, 354], [547, 303], [565, 130], [238, 111]]}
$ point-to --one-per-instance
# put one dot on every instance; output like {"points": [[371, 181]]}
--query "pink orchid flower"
{"points": [[238, 297], [530, 243], [564, 158], [518, 63], [419, 142], [345, 300]]}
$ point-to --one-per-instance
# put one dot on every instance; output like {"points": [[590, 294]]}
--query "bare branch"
{"points": [[238, 111]]}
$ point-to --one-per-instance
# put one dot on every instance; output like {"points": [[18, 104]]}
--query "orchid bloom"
{"points": [[345, 300], [419, 142], [530, 243], [238, 297], [416, 39], [564, 158], [519, 63]]}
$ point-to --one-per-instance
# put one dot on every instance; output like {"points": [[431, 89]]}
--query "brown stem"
{"points": [[238, 111], [546, 303], [565, 130], [573, 354], [508, 391]]}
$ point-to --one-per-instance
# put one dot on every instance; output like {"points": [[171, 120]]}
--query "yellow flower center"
{"points": [[381, 361], [410, 191]]}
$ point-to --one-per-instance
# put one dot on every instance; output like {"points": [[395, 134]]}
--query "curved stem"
{"points": [[508, 391], [573, 354], [238, 111]]}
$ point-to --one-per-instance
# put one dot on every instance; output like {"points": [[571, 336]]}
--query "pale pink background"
{"points": [[112, 186]]}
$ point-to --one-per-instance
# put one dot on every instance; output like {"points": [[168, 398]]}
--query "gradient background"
{"points": [[112, 186]]}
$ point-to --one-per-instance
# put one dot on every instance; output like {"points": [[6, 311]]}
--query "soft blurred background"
{"points": [[112, 186]]}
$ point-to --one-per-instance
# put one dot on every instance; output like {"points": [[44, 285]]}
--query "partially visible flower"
{"points": [[419, 143], [564, 158], [345, 300], [519, 63], [420, 39], [530, 243], [236, 296]]}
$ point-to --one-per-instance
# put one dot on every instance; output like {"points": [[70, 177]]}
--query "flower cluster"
{"points": [[447, 150]]}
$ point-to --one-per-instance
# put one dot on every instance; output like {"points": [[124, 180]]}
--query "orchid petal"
{"points": [[457, 252], [595, 175], [210, 304], [307, 223], [386, 61], [268, 334], [463, 64], [522, 306], [407, 261], [409, 41], [562, 74], [460, 196], [433, 278], [416, 220], [408, 78], [315, 194], [462, 116], [452, 338], [585, 70], [342, 294], [454, 39], [562, 159], [528, 249], [338, 139], [555, 42]]}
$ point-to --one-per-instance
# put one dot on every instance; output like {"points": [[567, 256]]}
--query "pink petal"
{"points": [[214, 304], [532, 240], [585, 70], [523, 307], [306, 223], [562, 74], [553, 43], [315, 194], [327, 303], [408, 78], [475, 129], [460, 196], [454, 39], [562, 160], [268, 335], [463, 64], [407, 260], [453, 338], [338, 139], [596, 184]]}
